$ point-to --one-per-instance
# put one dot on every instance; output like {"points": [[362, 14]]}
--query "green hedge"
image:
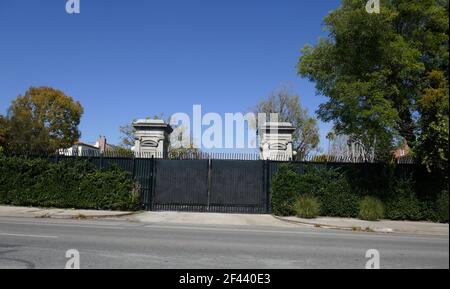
{"points": [[404, 204], [65, 184], [402, 191], [285, 186], [332, 190]]}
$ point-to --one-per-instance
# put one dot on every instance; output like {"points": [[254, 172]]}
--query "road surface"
{"points": [[42, 243]]}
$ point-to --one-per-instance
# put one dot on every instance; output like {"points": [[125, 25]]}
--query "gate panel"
{"points": [[238, 186], [143, 172], [180, 185]]}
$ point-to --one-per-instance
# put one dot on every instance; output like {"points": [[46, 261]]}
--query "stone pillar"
{"points": [[151, 138], [275, 141]]}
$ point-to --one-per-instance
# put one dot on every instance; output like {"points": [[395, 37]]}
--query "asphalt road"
{"points": [[42, 243]]}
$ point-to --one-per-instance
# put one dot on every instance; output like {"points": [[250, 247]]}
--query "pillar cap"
{"points": [[151, 124], [280, 127]]}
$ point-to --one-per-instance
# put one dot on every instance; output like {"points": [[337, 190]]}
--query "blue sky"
{"points": [[131, 59]]}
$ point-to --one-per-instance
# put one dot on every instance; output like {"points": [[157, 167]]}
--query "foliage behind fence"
{"points": [[409, 192]]}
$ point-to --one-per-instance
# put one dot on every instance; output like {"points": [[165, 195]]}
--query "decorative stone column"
{"points": [[275, 141], [151, 138]]}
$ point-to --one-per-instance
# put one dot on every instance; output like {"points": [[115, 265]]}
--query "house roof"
{"points": [[78, 143]]}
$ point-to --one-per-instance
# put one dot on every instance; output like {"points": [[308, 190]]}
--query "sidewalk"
{"points": [[192, 218], [31, 212], [382, 226], [183, 218]]}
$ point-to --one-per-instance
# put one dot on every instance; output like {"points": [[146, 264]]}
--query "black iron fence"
{"points": [[236, 183], [210, 182], [197, 155]]}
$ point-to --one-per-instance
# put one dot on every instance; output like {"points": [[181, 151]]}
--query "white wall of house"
{"points": [[79, 150]]}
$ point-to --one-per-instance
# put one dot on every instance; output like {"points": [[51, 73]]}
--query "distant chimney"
{"points": [[101, 143]]}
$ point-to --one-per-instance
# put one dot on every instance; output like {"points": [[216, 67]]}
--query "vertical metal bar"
{"points": [[152, 185], [267, 185], [101, 160], [134, 168], [264, 185], [209, 184]]}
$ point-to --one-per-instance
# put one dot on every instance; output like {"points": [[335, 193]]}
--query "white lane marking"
{"points": [[349, 234], [28, 236]]}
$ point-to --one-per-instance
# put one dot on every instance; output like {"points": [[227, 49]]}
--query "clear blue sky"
{"points": [[131, 59]]}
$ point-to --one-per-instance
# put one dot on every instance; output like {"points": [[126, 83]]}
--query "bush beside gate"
{"points": [[68, 183], [405, 193]]}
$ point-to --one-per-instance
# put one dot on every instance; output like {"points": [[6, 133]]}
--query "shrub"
{"points": [[442, 207], [307, 207], [284, 191], [332, 190], [407, 192], [404, 204], [371, 209], [70, 183]]}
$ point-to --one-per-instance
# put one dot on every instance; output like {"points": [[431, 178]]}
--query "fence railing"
{"points": [[194, 155]]}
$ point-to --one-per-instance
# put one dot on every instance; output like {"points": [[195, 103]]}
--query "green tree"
{"points": [[127, 136], [374, 67], [42, 120], [433, 106], [287, 105], [4, 126]]}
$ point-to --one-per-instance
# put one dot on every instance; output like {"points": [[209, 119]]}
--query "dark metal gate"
{"points": [[180, 185], [143, 170], [237, 186], [210, 186]]}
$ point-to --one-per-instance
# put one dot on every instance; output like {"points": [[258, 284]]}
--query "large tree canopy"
{"points": [[44, 119], [376, 71]]}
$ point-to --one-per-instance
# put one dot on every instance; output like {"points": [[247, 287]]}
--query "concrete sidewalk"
{"points": [[251, 220], [192, 218], [32, 212], [382, 226], [147, 217]]}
